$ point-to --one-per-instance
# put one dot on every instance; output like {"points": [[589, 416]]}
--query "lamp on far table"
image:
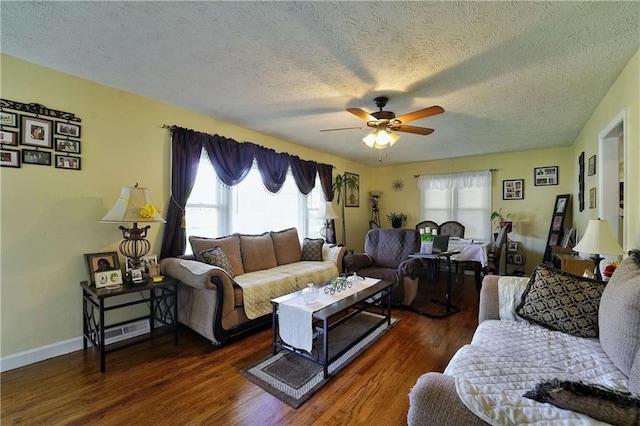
{"points": [[598, 239], [133, 206], [329, 214]]}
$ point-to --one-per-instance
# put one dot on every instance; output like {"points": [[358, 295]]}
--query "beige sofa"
{"points": [[567, 379], [226, 285]]}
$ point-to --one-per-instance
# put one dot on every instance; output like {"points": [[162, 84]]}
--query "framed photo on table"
{"points": [[513, 189], [101, 262]]}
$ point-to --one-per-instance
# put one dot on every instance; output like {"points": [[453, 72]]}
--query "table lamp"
{"points": [[598, 239], [329, 214], [133, 206]]}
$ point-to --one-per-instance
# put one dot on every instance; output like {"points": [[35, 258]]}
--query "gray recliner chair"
{"points": [[386, 257]]}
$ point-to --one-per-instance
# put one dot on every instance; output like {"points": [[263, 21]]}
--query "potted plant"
{"points": [[397, 219], [502, 219]]}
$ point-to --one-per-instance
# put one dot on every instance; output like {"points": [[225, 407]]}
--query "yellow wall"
{"points": [[625, 93], [49, 217], [532, 215]]}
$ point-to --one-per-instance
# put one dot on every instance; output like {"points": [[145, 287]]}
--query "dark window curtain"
{"points": [[231, 160], [325, 172], [273, 168], [186, 148], [304, 173]]}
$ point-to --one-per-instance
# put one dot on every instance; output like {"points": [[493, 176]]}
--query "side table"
{"points": [[449, 308], [161, 298]]}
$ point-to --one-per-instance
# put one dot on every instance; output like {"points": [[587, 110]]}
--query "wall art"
{"points": [[592, 165], [9, 158], [36, 132], [544, 176], [41, 158], [513, 189]]}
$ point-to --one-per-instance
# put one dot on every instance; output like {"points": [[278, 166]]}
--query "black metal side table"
{"points": [[449, 308], [161, 298]]}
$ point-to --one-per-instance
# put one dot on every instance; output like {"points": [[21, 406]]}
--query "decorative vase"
{"points": [[396, 223]]}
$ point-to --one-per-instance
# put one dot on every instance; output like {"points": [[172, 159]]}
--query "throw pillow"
{"points": [[230, 245], [312, 249], [595, 401], [216, 257], [257, 252], [287, 246], [561, 301]]}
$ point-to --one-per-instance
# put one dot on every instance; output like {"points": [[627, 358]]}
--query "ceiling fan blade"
{"points": [[423, 113], [362, 114], [414, 129], [342, 128]]}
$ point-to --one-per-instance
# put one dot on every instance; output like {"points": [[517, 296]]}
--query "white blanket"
{"points": [[506, 359]]}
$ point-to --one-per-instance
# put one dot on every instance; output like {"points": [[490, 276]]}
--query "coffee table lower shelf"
{"points": [[374, 300]]}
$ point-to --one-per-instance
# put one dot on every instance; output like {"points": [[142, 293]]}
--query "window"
{"points": [[215, 210], [463, 197]]}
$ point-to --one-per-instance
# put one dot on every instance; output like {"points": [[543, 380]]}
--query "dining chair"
{"points": [[452, 229], [493, 265], [426, 224]]}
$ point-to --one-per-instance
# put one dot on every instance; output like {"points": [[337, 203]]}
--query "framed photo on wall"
{"points": [[352, 195], [8, 138], [8, 119], [68, 129], [33, 156], [37, 132], [513, 189], [544, 176], [592, 165], [9, 158]]}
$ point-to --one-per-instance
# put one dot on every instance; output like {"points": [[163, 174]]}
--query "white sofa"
{"points": [[229, 297], [597, 379]]}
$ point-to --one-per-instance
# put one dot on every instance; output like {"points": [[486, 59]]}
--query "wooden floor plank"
{"points": [[156, 383]]}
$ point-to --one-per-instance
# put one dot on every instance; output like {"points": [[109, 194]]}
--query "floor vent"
{"points": [[115, 334]]}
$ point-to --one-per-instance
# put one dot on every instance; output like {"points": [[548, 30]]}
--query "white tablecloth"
{"points": [[470, 250], [295, 315]]}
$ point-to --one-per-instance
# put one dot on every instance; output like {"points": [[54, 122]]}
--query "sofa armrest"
{"points": [[410, 268], [355, 261], [201, 276], [433, 401], [489, 301]]}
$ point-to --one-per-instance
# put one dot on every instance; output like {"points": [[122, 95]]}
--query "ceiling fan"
{"points": [[385, 123]]}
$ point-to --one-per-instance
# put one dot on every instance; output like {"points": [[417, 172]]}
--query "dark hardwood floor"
{"points": [[156, 383]]}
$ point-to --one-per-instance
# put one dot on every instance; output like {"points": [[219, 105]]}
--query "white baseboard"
{"points": [[40, 354]]}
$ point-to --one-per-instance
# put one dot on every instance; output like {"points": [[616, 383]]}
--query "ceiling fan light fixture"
{"points": [[380, 139], [370, 139]]}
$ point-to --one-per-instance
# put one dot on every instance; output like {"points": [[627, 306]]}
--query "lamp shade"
{"points": [[599, 239], [329, 212], [380, 139], [133, 205]]}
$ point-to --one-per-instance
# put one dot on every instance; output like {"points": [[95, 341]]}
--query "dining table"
{"points": [[473, 254]]}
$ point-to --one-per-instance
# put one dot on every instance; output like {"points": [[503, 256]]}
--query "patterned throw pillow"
{"points": [[312, 249], [595, 401], [561, 301], [216, 257]]}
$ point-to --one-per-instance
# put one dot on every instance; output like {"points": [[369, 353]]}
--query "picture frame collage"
{"points": [[33, 134]]}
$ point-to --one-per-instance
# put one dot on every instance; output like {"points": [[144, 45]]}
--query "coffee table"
{"points": [[374, 299]]}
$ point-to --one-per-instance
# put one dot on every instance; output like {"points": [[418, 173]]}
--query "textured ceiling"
{"points": [[511, 75]]}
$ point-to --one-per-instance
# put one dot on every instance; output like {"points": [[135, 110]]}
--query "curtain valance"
{"points": [[455, 180], [232, 161]]}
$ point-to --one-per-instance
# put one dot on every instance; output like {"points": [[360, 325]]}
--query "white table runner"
{"points": [[295, 315]]}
